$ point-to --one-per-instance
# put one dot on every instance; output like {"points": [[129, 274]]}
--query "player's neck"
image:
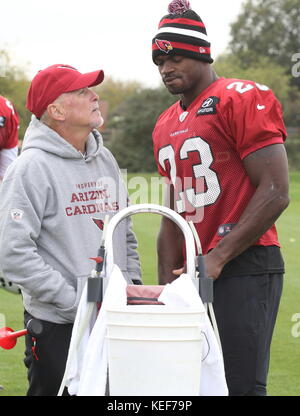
{"points": [[189, 96]]}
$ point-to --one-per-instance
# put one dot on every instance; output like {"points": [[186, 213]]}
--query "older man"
{"points": [[52, 196]]}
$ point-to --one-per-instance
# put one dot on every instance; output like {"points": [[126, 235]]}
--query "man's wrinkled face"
{"points": [[81, 108]]}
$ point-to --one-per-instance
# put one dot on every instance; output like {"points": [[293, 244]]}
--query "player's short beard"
{"points": [[175, 91]]}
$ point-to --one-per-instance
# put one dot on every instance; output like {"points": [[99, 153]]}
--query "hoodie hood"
{"points": [[39, 136]]}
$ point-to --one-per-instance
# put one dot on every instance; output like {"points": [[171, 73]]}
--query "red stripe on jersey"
{"points": [[186, 47], [189, 22]]}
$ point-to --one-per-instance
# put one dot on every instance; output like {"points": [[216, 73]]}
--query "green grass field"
{"points": [[284, 376]]}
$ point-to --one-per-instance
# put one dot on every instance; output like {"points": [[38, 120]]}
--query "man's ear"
{"points": [[56, 111]]}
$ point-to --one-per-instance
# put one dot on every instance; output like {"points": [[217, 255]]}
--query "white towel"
{"points": [[94, 369], [84, 321]]}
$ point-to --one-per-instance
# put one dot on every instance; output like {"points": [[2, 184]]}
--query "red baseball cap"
{"points": [[55, 80]]}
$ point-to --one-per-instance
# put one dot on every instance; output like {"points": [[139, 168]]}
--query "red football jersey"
{"points": [[201, 151], [9, 124]]}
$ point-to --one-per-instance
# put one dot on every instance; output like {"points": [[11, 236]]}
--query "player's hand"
{"points": [[212, 267]]}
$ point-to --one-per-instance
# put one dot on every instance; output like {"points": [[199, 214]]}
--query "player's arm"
{"points": [[169, 243], [267, 169]]}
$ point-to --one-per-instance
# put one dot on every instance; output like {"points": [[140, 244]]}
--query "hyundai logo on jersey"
{"points": [[209, 106]]}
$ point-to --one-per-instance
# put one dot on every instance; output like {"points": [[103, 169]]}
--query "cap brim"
{"points": [[91, 79]]}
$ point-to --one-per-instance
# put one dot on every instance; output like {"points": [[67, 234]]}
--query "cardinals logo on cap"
{"points": [[164, 45]]}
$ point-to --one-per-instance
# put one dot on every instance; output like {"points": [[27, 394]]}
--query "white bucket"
{"points": [[154, 351]]}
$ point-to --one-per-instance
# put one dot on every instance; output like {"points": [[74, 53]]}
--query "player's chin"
{"points": [[173, 89]]}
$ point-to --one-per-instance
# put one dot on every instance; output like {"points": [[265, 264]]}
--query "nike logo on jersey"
{"points": [[261, 107], [183, 116]]}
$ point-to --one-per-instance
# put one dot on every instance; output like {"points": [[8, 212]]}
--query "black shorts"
{"points": [[246, 308]]}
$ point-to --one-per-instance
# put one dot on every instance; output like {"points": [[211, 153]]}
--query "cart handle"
{"points": [[155, 209]]}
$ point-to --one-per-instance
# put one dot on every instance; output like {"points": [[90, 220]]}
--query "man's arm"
{"points": [[267, 169], [22, 206]]}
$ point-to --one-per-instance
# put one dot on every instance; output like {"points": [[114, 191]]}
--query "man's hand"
{"points": [[213, 266], [179, 272]]}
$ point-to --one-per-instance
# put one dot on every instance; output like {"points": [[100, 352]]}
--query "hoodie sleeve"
{"points": [[22, 209]]}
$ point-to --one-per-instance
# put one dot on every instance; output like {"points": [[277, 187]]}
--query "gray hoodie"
{"points": [[50, 201]]}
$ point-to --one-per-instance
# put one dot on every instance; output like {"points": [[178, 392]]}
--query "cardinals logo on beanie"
{"points": [[182, 32], [164, 45]]}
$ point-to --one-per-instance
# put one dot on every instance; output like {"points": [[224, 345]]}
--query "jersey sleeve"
{"points": [[253, 116], [158, 148]]}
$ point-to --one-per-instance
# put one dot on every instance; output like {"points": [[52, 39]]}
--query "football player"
{"points": [[9, 125], [221, 150]]}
